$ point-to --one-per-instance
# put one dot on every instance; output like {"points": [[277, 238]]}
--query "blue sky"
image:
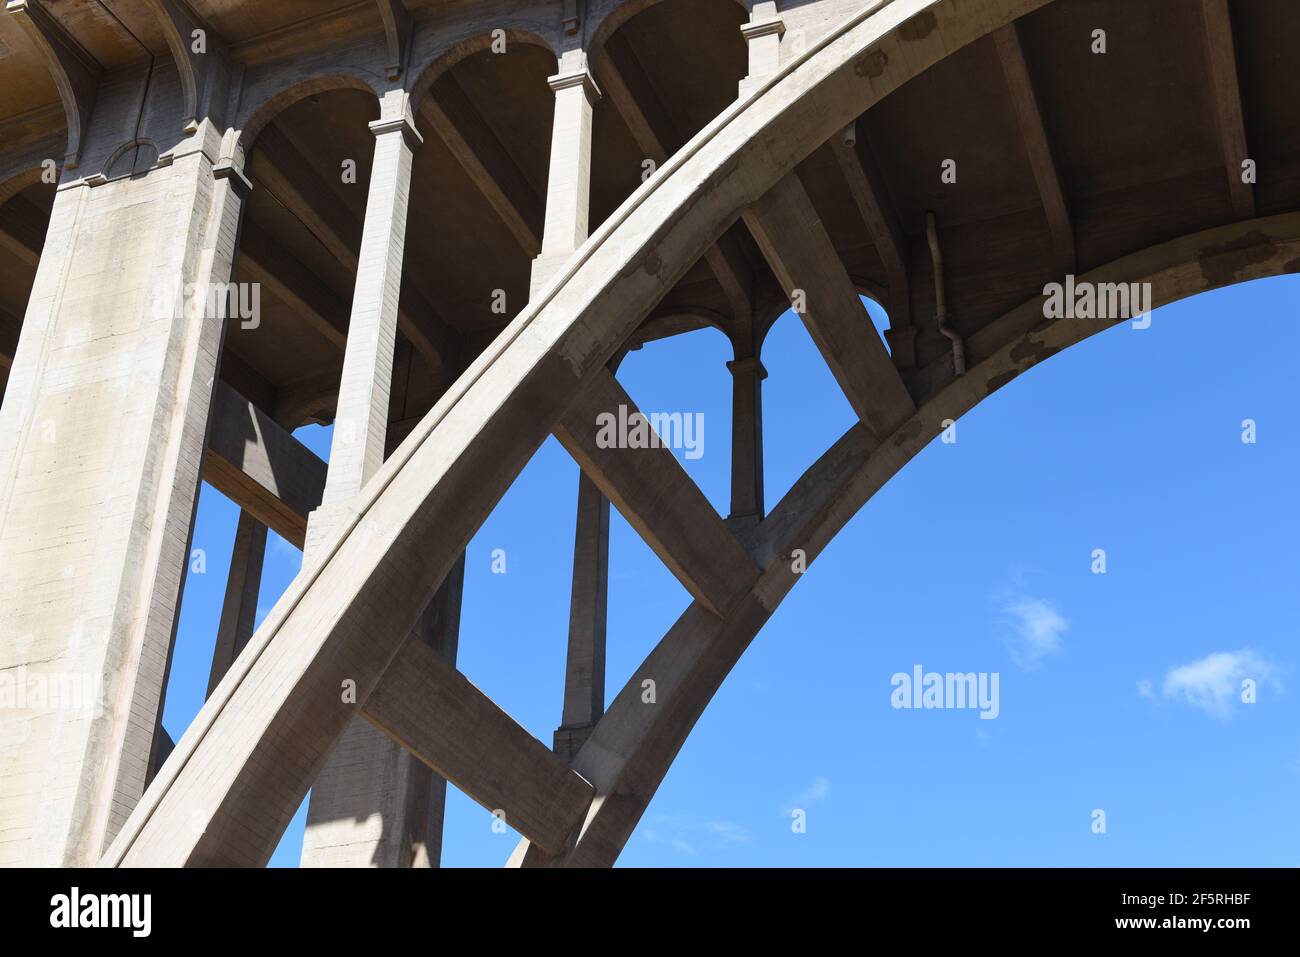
{"points": [[1119, 692]]}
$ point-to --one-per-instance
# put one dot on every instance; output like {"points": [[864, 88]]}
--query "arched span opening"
{"points": [[1120, 673]]}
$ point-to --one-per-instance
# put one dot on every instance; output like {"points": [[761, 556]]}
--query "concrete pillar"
{"points": [[239, 608], [747, 377], [584, 675], [370, 806], [763, 35], [440, 629], [361, 417], [101, 437], [568, 189]]}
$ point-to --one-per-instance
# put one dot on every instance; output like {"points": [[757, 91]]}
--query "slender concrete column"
{"points": [[568, 189], [763, 34], [371, 804], [239, 609], [747, 377], [361, 418], [101, 437], [584, 675]]}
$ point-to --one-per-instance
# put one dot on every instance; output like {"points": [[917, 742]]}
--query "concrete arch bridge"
{"points": [[457, 217]]}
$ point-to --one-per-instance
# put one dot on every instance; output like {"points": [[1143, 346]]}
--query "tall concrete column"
{"points": [[584, 674], [568, 188], [101, 437], [361, 417], [747, 377], [239, 608], [763, 35], [370, 805]]}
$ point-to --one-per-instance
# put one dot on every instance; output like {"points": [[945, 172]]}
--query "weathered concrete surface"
{"points": [[103, 428], [350, 614]]}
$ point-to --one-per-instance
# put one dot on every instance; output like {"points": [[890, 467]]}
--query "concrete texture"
{"points": [[816, 185]]}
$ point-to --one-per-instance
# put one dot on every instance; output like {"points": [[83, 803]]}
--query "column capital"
{"points": [[239, 182], [582, 78], [774, 27], [403, 124], [748, 365]]}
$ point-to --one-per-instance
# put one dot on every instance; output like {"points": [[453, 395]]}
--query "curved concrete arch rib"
{"points": [[246, 761], [633, 745]]}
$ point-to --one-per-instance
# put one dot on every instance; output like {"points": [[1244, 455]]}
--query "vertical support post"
{"points": [[361, 418], [568, 189], [370, 805], [101, 440], [747, 375], [763, 35], [239, 608], [440, 629], [584, 674]]}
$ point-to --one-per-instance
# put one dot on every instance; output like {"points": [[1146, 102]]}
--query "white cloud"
{"points": [[1033, 630], [687, 835], [1146, 689], [1213, 683], [819, 789]]}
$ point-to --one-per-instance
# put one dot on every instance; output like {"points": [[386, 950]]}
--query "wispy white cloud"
{"points": [[1033, 629], [1214, 683], [688, 835], [817, 791]]}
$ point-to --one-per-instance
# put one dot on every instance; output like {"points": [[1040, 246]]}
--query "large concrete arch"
{"points": [[632, 749], [240, 770], [783, 178], [448, 56], [264, 112]]}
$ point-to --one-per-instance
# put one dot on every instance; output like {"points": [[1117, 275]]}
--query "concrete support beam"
{"points": [[239, 608], [584, 673], [568, 191], [22, 231], [398, 801], [261, 467], [871, 197], [305, 194], [370, 803], [1046, 174], [74, 73], [634, 97], [101, 436], [361, 420], [1227, 103], [293, 284], [433, 710], [747, 377], [803, 258], [462, 128], [654, 493]]}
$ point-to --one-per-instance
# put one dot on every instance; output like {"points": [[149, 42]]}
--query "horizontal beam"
{"points": [[797, 247], [867, 187], [315, 202], [629, 88], [261, 467], [1033, 131], [433, 711], [294, 284], [654, 493], [471, 141], [1227, 103]]}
